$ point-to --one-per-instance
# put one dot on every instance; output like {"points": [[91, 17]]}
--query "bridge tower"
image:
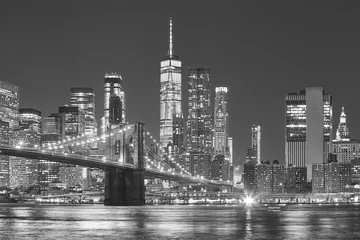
{"points": [[125, 187]]}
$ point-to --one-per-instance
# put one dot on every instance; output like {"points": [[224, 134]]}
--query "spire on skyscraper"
{"points": [[342, 132], [170, 53]]}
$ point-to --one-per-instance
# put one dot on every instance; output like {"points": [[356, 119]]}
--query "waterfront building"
{"points": [[355, 172], [256, 141], [52, 132], [271, 177], [308, 128], [331, 177], [250, 176], [170, 93], [296, 179], [4, 160], [113, 86], [84, 98], [9, 104], [264, 178], [24, 172]]}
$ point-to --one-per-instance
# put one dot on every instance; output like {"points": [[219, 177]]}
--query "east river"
{"points": [[180, 222]]}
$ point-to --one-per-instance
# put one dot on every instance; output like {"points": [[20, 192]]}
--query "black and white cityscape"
{"points": [[192, 120]]}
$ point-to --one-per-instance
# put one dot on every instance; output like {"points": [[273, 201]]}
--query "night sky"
{"points": [[260, 50]]}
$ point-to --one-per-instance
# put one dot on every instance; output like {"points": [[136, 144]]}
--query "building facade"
{"points": [[256, 141], [308, 128], [84, 98], [113, 86], [342, 132], [9, 103], [24, 172], [331, 177], [170, 93], [199, 134], [4, 160], [221, 121]]}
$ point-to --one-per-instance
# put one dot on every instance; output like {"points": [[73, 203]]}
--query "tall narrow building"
{"points": [[113, 86], [170, 93], [200, 114], [221, 121], [199, 125], [84, 98], [308, 128], [256, 141], [342, 132]]}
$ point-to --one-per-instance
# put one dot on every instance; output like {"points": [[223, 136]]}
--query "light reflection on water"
{"points": [[180, 222]]}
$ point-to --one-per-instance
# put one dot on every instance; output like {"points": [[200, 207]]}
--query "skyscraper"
{"points": [[84, 98], [342, 132], [199, 125], [221, 121], [170, 93], [9, 103], [24, 172], [113, 86], [52, 132], [200, 114], [256, 141], [308, 128]]}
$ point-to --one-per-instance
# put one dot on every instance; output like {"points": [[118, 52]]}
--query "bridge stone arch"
{"points": [[125, 186]]}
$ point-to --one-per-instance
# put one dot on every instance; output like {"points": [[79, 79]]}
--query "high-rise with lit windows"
{"points": [[342, 132], [221, 121], [9, 103], [256, 141], [84, 98], [170, 93], [113, 86], [23, 171], [199, 125], [308, 128]]}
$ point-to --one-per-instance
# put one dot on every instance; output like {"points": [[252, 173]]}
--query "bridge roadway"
{"points": [[86, 161]]}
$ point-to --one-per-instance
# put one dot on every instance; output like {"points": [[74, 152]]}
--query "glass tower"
{"points": [[221, 121], [113, 86], [256, 141], [84, 98], [170, 94], [200, 114], [308, 128], [9, 103]]}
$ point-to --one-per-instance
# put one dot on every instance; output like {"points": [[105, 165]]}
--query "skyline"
{"points": [[38, 62]]}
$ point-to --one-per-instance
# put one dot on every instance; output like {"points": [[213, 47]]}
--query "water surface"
{"points": [[179, 222]]}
